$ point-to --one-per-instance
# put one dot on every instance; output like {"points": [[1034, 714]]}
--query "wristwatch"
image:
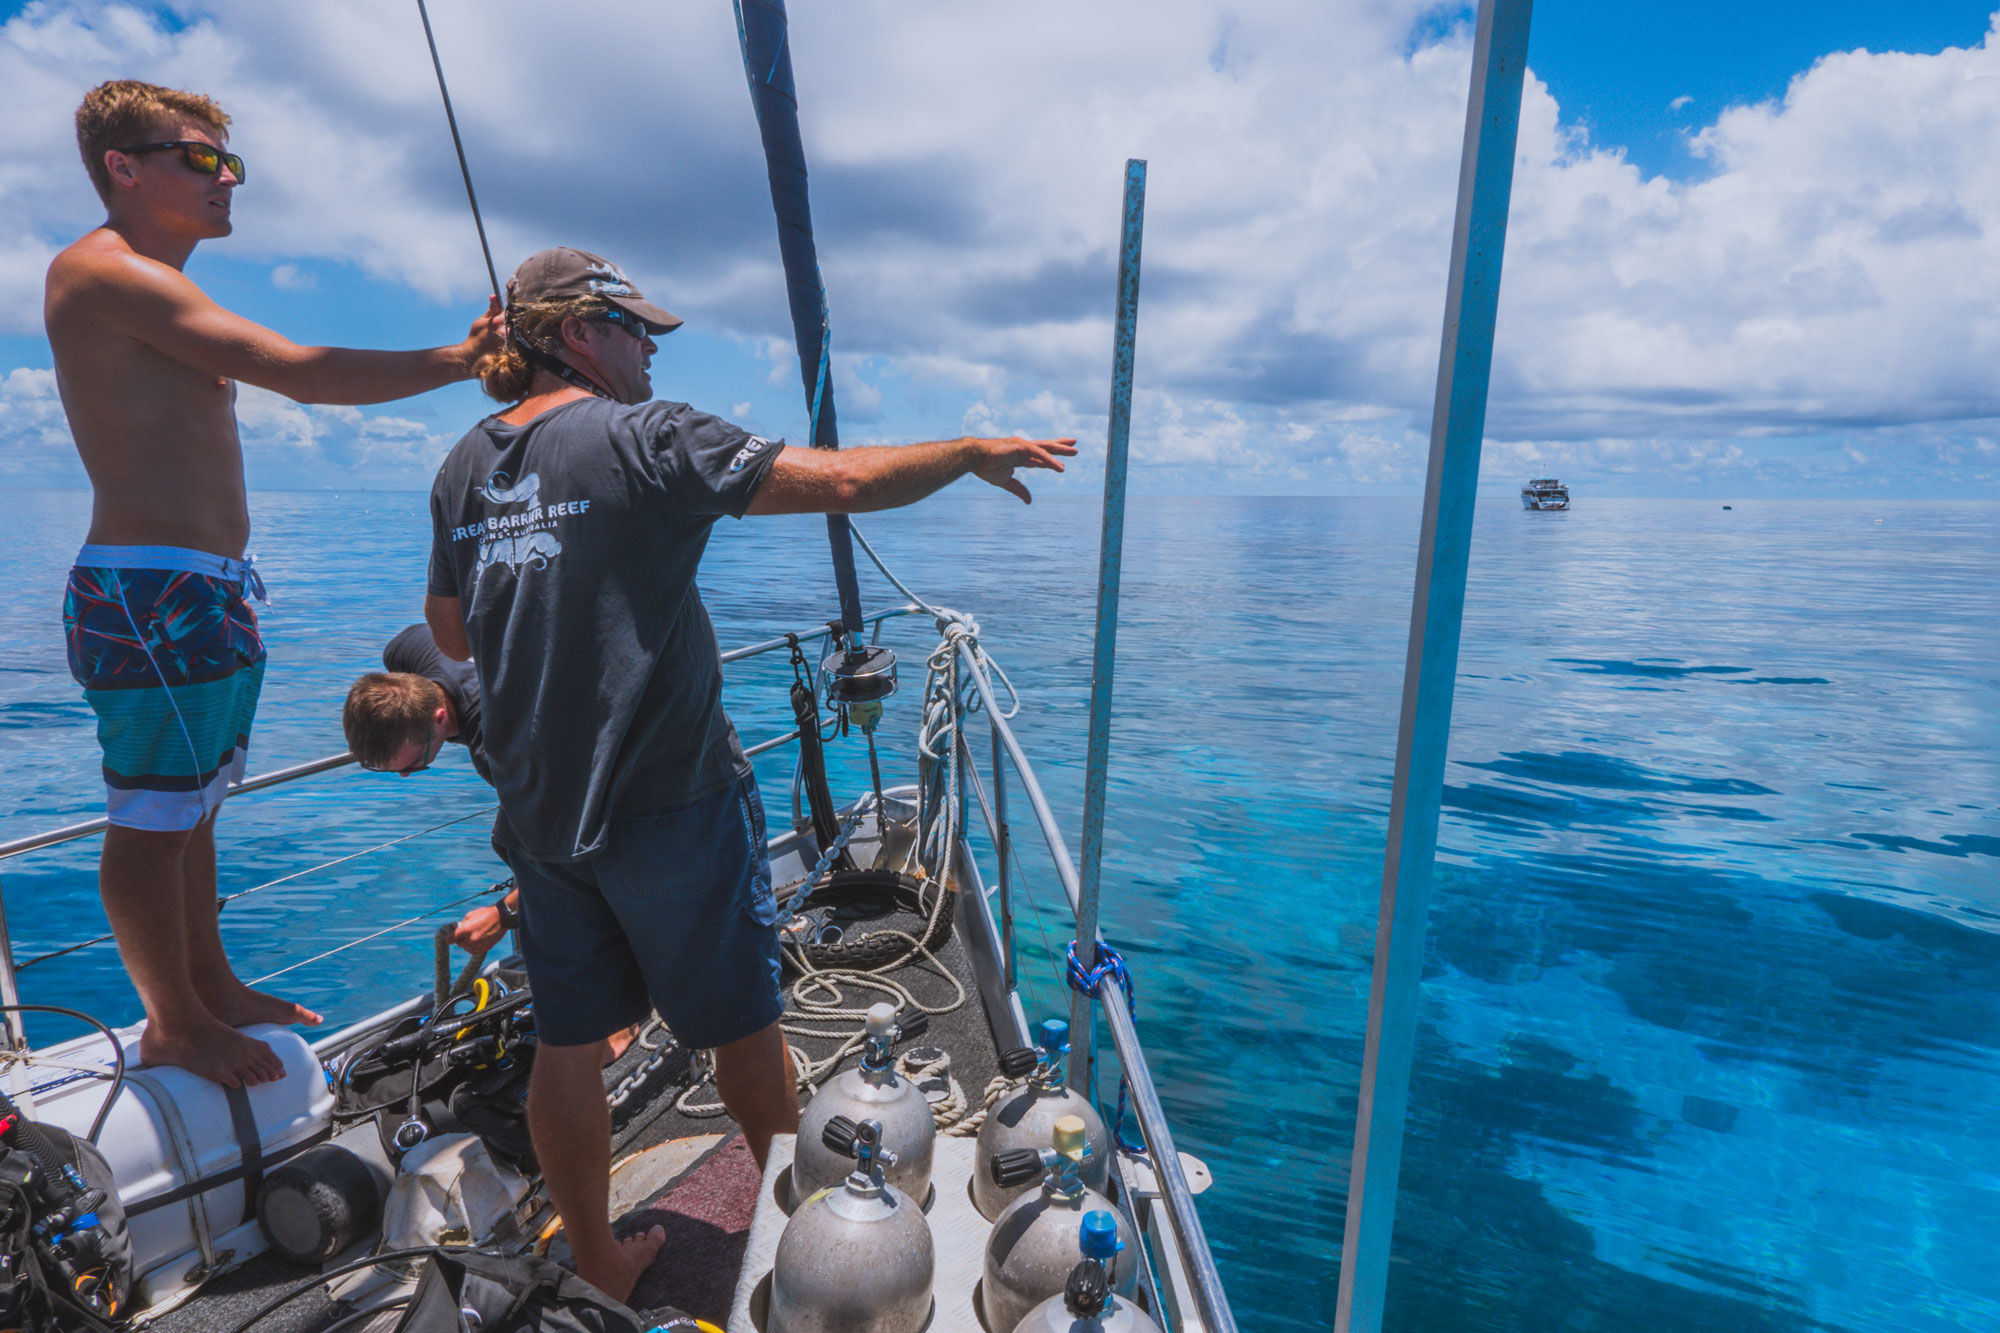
{"points": [[509, 918]]}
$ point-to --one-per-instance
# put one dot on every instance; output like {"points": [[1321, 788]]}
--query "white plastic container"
{"points": [[169, 1128]]}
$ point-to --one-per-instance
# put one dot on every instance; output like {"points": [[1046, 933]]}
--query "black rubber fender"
{"points": [[317, 1204], [881, 891]]}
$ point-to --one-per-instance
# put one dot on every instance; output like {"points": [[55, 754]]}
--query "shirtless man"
{"points": [[160, 633]]}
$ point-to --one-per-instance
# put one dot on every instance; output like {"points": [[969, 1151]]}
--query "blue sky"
{"points": [[1619, 69], [1778, 285]]}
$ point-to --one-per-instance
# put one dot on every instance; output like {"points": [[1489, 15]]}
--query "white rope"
{"points": [[820, 1006]]}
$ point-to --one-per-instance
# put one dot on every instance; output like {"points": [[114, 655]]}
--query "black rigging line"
{"points": [[459, 144]]}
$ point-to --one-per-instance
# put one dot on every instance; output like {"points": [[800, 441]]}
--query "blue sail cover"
{"points": [[767, 61]]}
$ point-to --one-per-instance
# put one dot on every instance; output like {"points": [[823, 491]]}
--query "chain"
{"points": [[622, 1091], [834, 848]]}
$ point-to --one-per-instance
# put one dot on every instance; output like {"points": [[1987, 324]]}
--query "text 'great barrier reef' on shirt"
{"points": [[572, 544]]}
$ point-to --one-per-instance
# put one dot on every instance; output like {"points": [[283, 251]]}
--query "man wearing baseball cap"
{"points": [[567, 530]]}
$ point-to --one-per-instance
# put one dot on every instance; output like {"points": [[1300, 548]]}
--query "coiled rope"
{"points": [[821, 1004]]}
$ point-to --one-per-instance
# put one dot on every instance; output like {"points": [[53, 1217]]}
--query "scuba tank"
{"points": [[858, 1257], [1025, 1119], [873, 1092], [1086, 1304], [1034, 1243]]}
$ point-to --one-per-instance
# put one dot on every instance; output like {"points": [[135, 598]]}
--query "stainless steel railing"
{"points": [[1190, 1240], [13, 1035], [1189, 1237]]}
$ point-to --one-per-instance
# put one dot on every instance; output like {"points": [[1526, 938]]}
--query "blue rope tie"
{"points": [[1109, 964], [1090, 981]]}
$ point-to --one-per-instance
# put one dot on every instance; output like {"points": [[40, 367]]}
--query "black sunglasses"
{"points": [[627, 321], [203, 157], [432, 748]]}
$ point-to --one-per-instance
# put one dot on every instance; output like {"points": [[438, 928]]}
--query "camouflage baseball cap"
{"points": [[562, 273]]}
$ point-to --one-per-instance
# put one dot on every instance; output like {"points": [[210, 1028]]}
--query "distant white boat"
{"points": [[1545, 493]]}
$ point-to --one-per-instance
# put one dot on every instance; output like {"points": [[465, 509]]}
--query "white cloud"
{"points": [[37, 446], [1834, 273], [292, 278]]}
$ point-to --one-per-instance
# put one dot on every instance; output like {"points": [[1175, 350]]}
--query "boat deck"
{"points": [[703, 1191]]}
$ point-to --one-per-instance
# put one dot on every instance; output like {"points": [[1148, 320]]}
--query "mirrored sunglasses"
{"points": [[203, 157]]}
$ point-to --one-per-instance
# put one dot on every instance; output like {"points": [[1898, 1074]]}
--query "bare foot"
{"points": [[618, 1271], [214, 1050], [240, 1006], [618, 1043]]}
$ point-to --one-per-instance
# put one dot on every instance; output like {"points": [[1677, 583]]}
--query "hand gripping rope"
{"points": [[1090, 981]]}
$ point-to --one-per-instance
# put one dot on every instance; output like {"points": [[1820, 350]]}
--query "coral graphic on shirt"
{"points": [[516, 550], [528, 491]]}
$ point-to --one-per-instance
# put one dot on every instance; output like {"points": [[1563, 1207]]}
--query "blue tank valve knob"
{"points": [[1098, 1236], [1054, 1035]]}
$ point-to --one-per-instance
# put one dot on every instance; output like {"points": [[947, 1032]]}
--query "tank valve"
{"points": [[1087, 1290], [1018, 1061], [1018, 1166]]}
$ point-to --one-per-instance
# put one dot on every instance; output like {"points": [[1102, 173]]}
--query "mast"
{"points": [[1458, 422], [767, 63]]}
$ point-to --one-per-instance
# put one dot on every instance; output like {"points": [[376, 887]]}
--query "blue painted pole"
{"points": [[1110, 557], [1485, 181], [761, 29]]}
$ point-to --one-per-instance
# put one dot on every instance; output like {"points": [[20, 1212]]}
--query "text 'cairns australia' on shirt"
{"points": [[572, 544]]}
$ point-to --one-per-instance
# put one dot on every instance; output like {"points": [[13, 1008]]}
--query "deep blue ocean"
{"points": [[1711, 1036]]}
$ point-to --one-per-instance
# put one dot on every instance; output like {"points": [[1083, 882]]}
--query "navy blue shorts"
{"points": [[676, 914]]}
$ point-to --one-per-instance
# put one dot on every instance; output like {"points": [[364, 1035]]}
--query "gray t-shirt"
{"points": [[572, 544]]}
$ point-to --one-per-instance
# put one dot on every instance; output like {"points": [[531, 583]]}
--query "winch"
{"points": [[873, 1092], [858, 678], [857, 1257], [1087, 1304], [1025, 1119], [1034, 1243]]}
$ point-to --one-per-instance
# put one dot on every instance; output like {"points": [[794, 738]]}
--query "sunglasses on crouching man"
{"points": [[205, 158]]}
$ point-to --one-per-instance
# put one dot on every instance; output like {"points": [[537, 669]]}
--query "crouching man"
{"points": [[399, 719], [566, 534]]}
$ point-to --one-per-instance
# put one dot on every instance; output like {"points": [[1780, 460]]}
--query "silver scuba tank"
{"points": [[1034, 1242], [872, 1092], [1025, 1119], [1086, 1303], [857, 1257]]}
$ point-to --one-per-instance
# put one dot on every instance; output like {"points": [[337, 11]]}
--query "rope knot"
{"points": [[1109, 965]]}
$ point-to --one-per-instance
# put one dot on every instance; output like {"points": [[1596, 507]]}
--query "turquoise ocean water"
{"points": [[1711, 1036]]}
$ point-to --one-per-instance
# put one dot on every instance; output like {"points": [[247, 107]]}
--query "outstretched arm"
{"points": [[159, 306], [856, 481]]}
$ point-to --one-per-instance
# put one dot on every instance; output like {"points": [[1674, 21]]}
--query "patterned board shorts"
{"points": [[165, 645]]}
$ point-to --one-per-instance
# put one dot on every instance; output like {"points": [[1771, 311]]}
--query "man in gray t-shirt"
{"points": [[567, 531]]}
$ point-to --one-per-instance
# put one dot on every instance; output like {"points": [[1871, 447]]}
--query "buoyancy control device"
{"points": [[857, 1257], [466, 1069], [1087, 1303], [1026, 1119], [472, 1292], [1034, 1245], [873, 1092], [65, 1255]]}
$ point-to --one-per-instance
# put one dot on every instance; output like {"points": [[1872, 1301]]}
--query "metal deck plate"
{"points": [[957, 1230]]}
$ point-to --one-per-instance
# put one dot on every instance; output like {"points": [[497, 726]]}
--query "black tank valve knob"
{"points": [[1016, 1166], [1018, 1061], [839, 1135]]}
